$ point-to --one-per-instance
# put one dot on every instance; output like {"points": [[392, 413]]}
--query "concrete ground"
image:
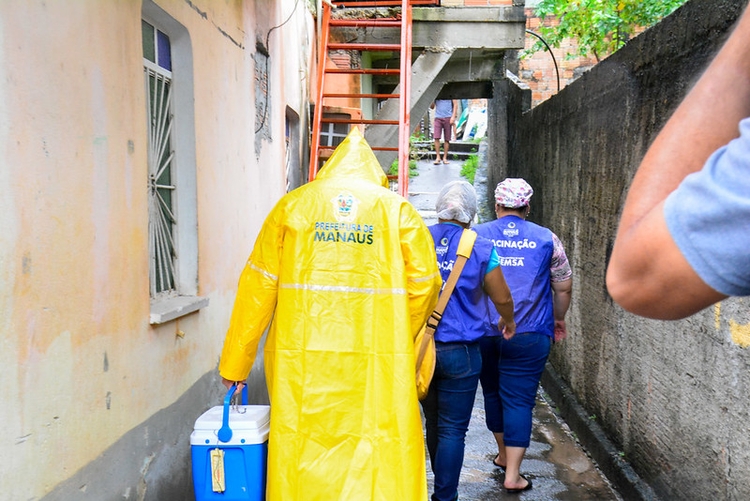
{"points": [[556, 462]]}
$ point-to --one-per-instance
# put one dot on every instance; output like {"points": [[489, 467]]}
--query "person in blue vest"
{"points": [[540, 279], [450, 399]]}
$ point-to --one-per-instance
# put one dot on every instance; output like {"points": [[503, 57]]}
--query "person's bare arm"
{"points": [[561, 294], [647, 273], [228, 384], [499, 293]]}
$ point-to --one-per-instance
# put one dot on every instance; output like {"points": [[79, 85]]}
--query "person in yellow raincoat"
{"points": [[347, 271]]}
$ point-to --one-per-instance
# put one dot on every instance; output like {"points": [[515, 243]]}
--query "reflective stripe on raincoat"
{"points": [[347, 269]]}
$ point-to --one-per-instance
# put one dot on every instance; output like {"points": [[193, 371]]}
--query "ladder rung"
{"points": [[370, 3], [329, 149], [365, 46], [383, 3], [363, 71], [378, 148], [382, 22], [370, 96], [357, 121]]}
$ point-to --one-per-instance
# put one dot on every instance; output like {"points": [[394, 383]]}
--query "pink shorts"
{"points": [[442, 127]]}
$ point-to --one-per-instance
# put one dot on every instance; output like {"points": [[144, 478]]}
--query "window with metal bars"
{"points": [[172, 174], [157, 72], [332, 134]]}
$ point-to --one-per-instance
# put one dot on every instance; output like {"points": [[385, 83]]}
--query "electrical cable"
{"points": [[268, 56], [554, 61]]}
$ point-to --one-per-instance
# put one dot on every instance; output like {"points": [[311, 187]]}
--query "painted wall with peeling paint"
{"points": [[80, 365]]}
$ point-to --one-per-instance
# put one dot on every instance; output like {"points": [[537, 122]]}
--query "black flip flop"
{"points": [[528, 486], [502, 467]]}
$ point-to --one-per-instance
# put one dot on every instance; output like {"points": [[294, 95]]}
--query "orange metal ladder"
{"points": [[402, 22]]}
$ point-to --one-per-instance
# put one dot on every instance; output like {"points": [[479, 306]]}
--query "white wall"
{"points": [[80, 365]]}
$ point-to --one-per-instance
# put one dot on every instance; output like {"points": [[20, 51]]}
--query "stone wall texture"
{"points": [[672, 396]]}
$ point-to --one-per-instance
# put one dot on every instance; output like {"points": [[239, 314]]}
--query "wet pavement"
{"points": [[558, 466], [556, 462], [424, 188]]}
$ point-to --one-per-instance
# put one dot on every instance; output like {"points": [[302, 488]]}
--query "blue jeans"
{"points": [[511, 371], [447, 409]]}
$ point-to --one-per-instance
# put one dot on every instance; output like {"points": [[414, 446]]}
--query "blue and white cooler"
{"points": [[229, 451]]}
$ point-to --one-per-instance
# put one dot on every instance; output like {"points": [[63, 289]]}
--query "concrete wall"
{"points": [[97, 403], [673, 396]]}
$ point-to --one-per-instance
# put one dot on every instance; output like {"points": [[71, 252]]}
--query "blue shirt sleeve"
{"points": [[708, 216], [494, 261]]}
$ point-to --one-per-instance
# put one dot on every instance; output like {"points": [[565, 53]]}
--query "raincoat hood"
{"points": [[354, 158]]}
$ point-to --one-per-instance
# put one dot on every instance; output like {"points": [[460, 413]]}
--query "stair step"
{"points": [[455, 146]]}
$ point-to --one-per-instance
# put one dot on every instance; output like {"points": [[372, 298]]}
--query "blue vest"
{"points": [[525, 250], [465, 315]]}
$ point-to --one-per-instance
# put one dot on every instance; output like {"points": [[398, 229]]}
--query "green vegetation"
{"points": [[416, 152], [418, 137], [599, 27], [393, 171], [419, 149], [469, 167]]}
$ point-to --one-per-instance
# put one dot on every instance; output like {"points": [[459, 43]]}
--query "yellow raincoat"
{"points": [[347, 269]]}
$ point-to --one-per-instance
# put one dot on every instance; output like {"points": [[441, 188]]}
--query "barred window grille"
{"points": [[161, 183]]}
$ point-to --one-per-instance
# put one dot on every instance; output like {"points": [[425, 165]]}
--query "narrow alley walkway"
{"points": [[559, 467]]}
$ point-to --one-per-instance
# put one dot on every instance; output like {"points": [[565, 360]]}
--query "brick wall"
{"points": [[474, 3], [538, 71]]}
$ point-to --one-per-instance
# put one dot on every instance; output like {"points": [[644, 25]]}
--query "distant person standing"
{"points": [[445, 118], [540, 279]]}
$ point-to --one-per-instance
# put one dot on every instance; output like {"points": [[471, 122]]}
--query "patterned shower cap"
{"points": [[513, 193]]}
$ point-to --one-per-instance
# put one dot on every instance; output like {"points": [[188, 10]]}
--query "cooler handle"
{"points": [[225, 432]]}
